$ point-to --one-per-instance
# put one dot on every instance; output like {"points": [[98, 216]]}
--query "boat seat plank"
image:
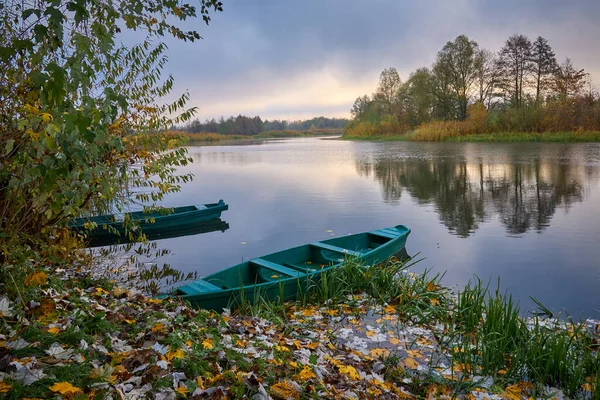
{"points": [[384, 234], [199, 286], [276, 267], [336, 249]]}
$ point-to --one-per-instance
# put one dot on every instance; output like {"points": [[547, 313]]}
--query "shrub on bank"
{"points": [[388, 126], [443, 130]]}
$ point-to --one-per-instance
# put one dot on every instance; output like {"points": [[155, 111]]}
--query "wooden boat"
{"points": [[185, 229], [283, 273], [150, 223]]}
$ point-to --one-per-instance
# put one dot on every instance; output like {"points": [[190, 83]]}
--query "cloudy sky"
{"points": [[300, 59]]}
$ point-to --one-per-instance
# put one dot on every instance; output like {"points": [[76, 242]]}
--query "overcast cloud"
{"points": [[299, 59]]}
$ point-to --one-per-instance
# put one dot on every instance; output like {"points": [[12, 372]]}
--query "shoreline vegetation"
{"points": [[377, 332], [503, 137], [208, 137], [519, 93]]}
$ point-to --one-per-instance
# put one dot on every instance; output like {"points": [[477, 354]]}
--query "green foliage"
{"points": [[82, 124], [471, 91]]}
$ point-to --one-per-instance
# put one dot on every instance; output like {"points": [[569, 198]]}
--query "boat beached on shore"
{"points": [[283, 273]]}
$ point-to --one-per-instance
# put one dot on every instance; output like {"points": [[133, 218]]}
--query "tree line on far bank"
{"points": [[470, 90], [243, 125]]}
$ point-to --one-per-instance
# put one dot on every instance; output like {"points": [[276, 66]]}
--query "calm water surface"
{"points": [[527, 213]]}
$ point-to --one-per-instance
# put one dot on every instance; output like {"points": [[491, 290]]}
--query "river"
{"points": [[528, 213]]}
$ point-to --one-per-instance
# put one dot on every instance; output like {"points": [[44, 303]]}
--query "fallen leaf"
{"points": [[513, 392], [4, 387], [394, 341], [54, 330], [435, 302], [410, 363], [208, 344], [65, 388], [36, 279], [379, 352], [306, 374], [349, 371], [284, 391], [175, 354]]}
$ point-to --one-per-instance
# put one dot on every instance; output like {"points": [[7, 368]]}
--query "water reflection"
{"points": [[465, 192], [189, 229]]}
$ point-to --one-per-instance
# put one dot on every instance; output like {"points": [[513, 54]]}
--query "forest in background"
{"points": [[470, 90], [243, 125]]}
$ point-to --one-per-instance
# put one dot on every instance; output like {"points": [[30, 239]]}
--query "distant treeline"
{"points": [[470, 90], [243, 125]]}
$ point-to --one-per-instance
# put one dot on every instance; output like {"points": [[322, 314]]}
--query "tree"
{"points": [[360, 106], [515, 64], [386, 94], [416, 97], [458, 62], [487, 73], [81, 114], [569, 81], [444, 105], [544, 65]]}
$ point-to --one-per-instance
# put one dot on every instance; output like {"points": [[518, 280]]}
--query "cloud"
{"points": [[300, 59]]}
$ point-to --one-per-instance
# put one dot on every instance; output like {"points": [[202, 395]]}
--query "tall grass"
{"points": [[487, 333]]}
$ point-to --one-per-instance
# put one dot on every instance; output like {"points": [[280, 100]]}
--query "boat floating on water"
{"points": [[284, 272], [110, 228]]}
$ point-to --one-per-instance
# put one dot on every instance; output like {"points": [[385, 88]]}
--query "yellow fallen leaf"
{"points": [[306, 374], [410, 363], [182, 390], [371, 333], [274, 276], [65, 388], [284, 391], [349, 371], [4, 387], [513, 392], [119, 291], [282, 348], [379, 352], [208, 344], [158, 327], [54, 330], [153, 301], [200, 382], [389, 309], [414, 353], [175, 354], [99, 290], [394, 341], [36, 279], [435, 302]]}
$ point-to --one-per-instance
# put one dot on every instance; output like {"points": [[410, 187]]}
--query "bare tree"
{"points": [[544, 66], [569, 81], [487, 76], [515, 64]]}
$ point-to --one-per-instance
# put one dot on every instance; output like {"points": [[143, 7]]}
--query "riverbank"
{"points": [[383, 332], [207, 137], [556, 137]]}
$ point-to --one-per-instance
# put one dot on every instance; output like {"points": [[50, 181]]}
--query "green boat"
{"points": [[283, 273], [111, 227]]}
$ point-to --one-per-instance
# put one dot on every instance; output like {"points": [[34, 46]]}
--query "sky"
{"points": [[291, 60]]}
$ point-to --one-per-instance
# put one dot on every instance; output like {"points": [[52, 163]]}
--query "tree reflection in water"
{"points": [[522, 195]]}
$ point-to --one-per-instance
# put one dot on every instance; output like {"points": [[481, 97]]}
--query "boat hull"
{"points": [[284, 274]]}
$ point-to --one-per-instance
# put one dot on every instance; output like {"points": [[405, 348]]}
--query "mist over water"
{"points": [[527, 213]]}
